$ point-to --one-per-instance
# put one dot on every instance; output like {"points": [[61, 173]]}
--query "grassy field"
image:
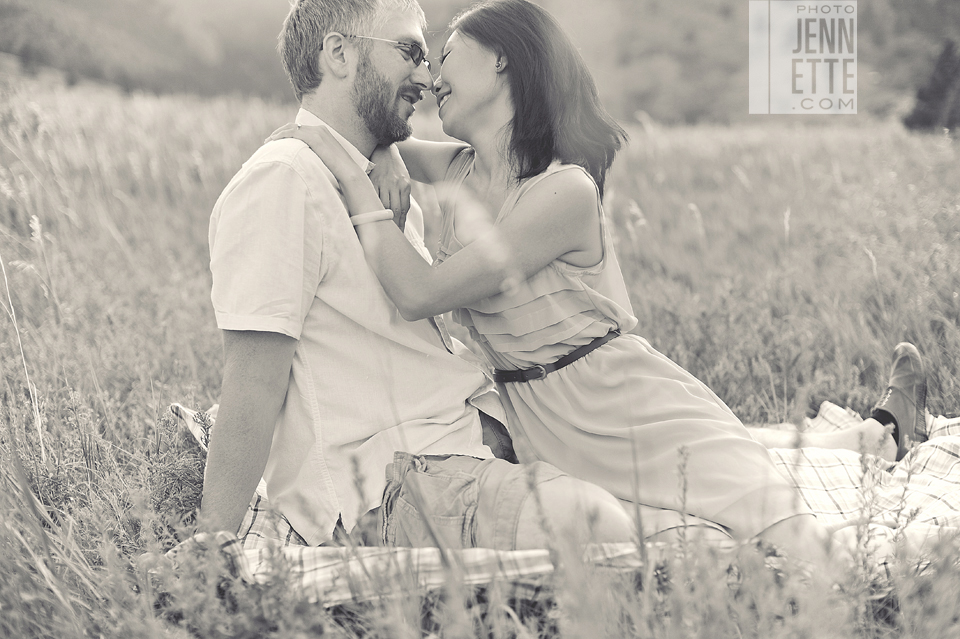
{"points": [[778, 264]]}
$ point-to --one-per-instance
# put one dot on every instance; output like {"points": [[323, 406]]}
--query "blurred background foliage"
{"points": [[679, 61]]}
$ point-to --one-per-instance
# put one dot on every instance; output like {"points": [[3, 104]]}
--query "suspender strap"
{"points": [[540, 370]]}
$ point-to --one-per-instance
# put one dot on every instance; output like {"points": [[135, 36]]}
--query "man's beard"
{"points": [[372, 99]]}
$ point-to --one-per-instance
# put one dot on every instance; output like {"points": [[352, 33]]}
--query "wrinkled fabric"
{"points": [[624, 417]]}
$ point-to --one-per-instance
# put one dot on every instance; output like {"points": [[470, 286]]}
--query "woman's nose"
{"points": [[436, 85]]}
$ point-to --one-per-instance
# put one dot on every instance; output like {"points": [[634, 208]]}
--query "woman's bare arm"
{"points": [[555, 218], [428, 161]]}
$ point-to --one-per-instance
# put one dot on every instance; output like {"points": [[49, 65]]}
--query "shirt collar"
{"points": [[306, 118]]}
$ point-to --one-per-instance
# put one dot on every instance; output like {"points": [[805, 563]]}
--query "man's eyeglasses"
{"points": [[411, 50]]}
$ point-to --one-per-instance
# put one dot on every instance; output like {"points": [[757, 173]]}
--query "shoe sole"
{"points": [[908, 439]]}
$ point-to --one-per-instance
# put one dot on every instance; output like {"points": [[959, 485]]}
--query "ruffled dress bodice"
{"points": [[624, 417], [557, 310]]}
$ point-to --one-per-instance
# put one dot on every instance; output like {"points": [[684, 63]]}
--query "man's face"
{"points": [[387, 84], [377, 101]]}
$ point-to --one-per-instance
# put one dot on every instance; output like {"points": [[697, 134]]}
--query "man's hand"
{"points": [[255, 377]]}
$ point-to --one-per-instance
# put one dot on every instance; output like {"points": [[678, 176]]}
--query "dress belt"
{"points": [[540, 370]]}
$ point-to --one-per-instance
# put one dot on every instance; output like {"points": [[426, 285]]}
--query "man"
{"points": [[323, 380]]}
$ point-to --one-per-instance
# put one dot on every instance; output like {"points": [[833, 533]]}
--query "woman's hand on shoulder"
{"points": [[327, 148], [358, 191]]}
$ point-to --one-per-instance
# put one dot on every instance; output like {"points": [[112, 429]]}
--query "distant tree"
{"points": [[31, 59], [938, 101], [683, 61]]}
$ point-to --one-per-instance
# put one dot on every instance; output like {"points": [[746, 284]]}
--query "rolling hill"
{"points": [[677, 61]]}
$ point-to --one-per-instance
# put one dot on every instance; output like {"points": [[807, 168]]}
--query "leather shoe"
{"points": [[904, 402]]}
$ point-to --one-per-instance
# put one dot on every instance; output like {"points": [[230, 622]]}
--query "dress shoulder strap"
{"points": [[447, 198], [453, 179], [460, 165]]}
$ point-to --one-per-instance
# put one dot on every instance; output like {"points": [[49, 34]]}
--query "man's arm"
{"points": [[255, 378]]}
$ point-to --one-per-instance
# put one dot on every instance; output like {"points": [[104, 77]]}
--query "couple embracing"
{"points": [[343, 388]]}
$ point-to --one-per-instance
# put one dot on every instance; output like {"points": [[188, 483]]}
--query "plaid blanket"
{"points": [[916, 500], [332, 576], [267, 545]]}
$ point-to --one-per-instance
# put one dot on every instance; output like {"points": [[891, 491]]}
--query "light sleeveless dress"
{"points": [[620, 416]]}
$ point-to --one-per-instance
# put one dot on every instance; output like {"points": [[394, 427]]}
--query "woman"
{"points": [[526, 263]]}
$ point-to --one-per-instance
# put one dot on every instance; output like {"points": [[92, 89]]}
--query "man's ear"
{"points": [[336, 55]]}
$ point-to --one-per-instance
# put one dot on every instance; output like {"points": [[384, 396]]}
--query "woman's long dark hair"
{"points": [[558, 114]]}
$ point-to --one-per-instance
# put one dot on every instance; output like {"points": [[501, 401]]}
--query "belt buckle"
{"points": [[539, 371]]}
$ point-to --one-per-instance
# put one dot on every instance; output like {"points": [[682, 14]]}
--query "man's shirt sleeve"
{"points": [[265, 249]]}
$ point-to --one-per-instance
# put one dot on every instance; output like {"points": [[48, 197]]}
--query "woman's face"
{"points": [[468, 86]]}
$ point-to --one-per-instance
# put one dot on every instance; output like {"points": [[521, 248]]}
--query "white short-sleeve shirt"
{"points": [[365, 383]]}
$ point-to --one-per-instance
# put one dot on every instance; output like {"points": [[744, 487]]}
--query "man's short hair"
{"points": [[309, 21]]}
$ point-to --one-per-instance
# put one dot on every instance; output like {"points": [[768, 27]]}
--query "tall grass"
{"points": [[780, 265]]}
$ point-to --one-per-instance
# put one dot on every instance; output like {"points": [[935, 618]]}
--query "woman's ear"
{"points": [[336, 55], [501, 64]]}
